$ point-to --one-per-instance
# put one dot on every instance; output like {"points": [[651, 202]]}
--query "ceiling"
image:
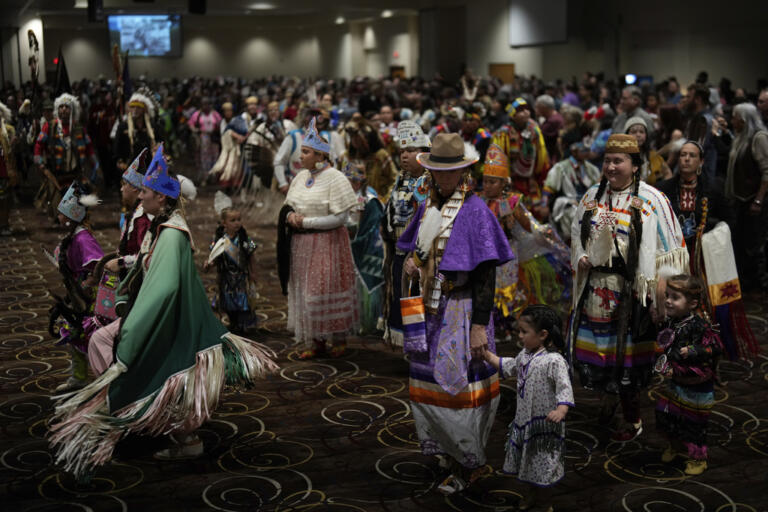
{"points": [[353, 9]]}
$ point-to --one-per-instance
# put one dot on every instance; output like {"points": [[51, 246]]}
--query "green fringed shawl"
{"points": [[170, 322]]}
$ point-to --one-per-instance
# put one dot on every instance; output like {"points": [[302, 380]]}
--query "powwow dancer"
{"points": [[691, 349], [232, 252], [63, 153], [173, 358], [76, 256], [133, 228], [8, 175], [536, 441], [322, 304], [455, 243], [625, 232], [540, 272], [521, 140], [410, 190], [704, 215], [367, 250]]}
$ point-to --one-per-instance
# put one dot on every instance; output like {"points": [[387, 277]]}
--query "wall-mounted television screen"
{"points": [[146, 35]]}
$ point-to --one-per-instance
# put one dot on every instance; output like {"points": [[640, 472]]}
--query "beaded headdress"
{"points": [[410, 135], [74, 205], [157, 177], [132, 174], [314, 141], [496, 162]]}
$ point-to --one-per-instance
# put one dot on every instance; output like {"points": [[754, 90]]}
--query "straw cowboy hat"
{"points": [[447, 154]]}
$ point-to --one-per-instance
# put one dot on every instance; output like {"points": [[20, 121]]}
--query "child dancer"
{"points": [[540, 273], [236, 267], [76, 256], [691, 349], [536, 441]]}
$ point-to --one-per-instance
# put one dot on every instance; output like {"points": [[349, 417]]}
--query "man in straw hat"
{"points": [[454, 245]]}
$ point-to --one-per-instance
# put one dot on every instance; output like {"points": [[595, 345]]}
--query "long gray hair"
{"points": [[752, 124]]}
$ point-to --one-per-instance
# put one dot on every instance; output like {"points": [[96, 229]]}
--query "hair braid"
{"points": [[123, 246], [635, 235]]}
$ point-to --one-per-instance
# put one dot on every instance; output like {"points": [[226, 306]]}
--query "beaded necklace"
{"points": [[313, 174], [522, 374]]}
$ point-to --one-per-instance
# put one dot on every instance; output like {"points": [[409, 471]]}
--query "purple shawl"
{"points": [[476, 237], [83, 253]]}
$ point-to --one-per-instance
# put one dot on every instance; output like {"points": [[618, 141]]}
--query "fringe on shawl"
{"points": [[84, 433], [735, 331], [677, 259], [394, 338]]}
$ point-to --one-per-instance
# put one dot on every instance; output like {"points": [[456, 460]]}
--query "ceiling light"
{"points": [[340, 20], [81, 4], [386, 13], [261, 6]]}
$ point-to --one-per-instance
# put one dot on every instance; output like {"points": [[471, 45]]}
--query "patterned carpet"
{"points": [[335, 435]]}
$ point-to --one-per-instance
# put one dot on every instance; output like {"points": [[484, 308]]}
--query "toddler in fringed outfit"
{"points": [[691, 349], [536, 440], [232, 253]]}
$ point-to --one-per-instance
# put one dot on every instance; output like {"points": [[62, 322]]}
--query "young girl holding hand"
{"points": [[536, 440]]}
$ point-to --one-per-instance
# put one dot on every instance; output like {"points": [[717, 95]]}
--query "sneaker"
{"points": [[338, 350], [179, 451], [310, 353], [71, 384], [451, 485], [318, 347], [479, 473], [629, 433], [695, 467]]}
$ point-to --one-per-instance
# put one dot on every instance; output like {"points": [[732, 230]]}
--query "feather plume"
{"points": [[678, 144], [5, 112], [67, 99], [221, 201], [429, 229], [145, 96], [470, 152], [89, 200], [188, 189], [25, 107]]}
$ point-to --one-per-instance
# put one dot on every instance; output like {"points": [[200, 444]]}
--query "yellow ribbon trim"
{"points": [[504, 297]]}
